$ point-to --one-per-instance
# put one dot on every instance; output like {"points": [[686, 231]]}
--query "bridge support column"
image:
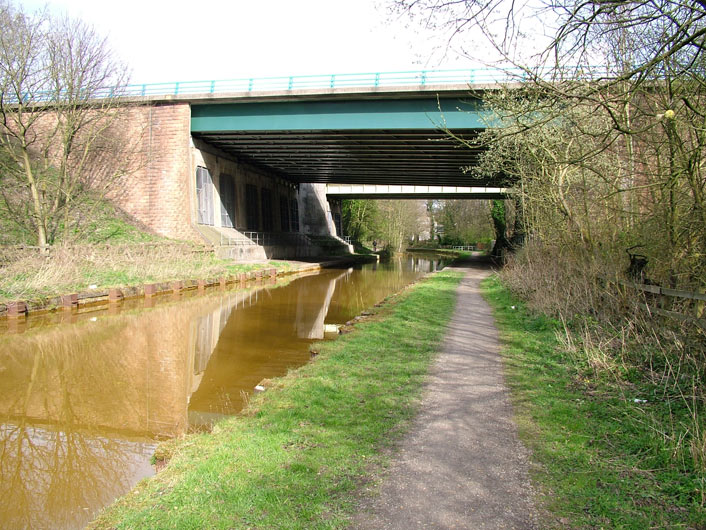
{"points": [[315, 211], [159, 194]]}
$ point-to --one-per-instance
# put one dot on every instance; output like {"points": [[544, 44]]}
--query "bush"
{"points": [[621, 335]]}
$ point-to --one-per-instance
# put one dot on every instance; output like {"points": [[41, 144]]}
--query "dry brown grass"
{"points": [[27, 273], [610, 332]]}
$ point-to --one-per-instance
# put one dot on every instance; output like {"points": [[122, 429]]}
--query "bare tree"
{"points": [[59, 134], [605, 142], [400, 221]]}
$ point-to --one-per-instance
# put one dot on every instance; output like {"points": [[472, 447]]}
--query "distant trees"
{"points": [[395, 223], [392, 223], [401, 221], [360, 219], [465, 222], [62, 145]]}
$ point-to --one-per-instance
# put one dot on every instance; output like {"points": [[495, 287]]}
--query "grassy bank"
{"points": [[29, 274], [612, 448], [296, 456]]}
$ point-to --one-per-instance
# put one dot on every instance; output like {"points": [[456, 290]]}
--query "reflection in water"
{"points": [[82, 404], [311, 314], [59, 478]]}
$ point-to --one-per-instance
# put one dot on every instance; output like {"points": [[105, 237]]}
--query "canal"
{"points": [[86, 397]]}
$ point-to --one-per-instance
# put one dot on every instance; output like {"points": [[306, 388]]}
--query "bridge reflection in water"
{"points": [[83, 404]]}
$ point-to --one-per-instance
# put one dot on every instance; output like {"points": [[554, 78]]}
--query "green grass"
{"points": [[29, 275], [114, 229], [101, 222], [297, 455], [601, 459]]}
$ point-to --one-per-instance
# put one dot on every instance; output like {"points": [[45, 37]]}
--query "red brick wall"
{"points": [[158, 193]]}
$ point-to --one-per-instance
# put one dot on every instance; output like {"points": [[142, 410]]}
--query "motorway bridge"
{"points": [[362, 135]]}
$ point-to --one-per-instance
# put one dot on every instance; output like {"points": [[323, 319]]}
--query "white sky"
{"points": [[220, 39]]}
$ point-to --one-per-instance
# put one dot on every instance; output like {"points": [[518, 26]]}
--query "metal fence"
{"points": [[362, 80], [303, 82], [249, 238], [411, 78]]}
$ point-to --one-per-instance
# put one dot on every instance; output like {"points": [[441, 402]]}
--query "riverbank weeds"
{"points": [[26, 273], [613, 447], [297, 454]]}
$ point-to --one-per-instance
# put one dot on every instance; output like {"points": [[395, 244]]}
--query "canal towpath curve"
{"points": [[461, 464]]}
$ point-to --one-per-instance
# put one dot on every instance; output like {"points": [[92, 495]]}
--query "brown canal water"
{"points": [[85, 397]]}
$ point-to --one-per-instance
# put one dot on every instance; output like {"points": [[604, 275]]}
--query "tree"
{"points": [[608, 152], [360, 219], [465, 222], [60, 132], [400, 221], [635, 38]]}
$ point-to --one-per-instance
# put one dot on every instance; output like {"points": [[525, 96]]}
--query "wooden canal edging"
{"points": [[95, 299]]}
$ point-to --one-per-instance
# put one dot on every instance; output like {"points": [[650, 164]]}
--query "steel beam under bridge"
{"points": [[389, 191], [369, 137]]}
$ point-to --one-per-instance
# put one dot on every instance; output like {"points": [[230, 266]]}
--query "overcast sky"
{"points": [[221, 39]]}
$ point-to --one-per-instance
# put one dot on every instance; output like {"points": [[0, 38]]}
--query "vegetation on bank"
{"points": [[618, 442], [296, 455], [394, 224], [27, 274], [66, 141], [109, 250]]}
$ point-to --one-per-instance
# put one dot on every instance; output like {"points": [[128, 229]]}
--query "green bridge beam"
{"points": [[369, 114]]}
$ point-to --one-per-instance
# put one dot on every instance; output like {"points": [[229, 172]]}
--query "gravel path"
{"points": [[461, 464]]}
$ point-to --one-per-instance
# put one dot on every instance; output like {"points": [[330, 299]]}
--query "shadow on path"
{"points": [[461, 464]]}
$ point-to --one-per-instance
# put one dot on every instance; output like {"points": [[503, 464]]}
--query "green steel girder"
{"points": [[418, 113], [374, 140]]}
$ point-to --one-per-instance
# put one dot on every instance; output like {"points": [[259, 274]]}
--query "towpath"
{"points": [[461, 464]]}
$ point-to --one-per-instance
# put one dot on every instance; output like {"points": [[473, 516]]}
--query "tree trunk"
{"points": [[36, 202], [499, 216]]}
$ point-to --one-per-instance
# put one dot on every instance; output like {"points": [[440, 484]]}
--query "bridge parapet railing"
{"points": [[415, 78], [304, 82], [361, 80]]}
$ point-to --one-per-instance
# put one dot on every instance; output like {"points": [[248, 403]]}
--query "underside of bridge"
{"points": [[402, 141], [390, 156]]}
